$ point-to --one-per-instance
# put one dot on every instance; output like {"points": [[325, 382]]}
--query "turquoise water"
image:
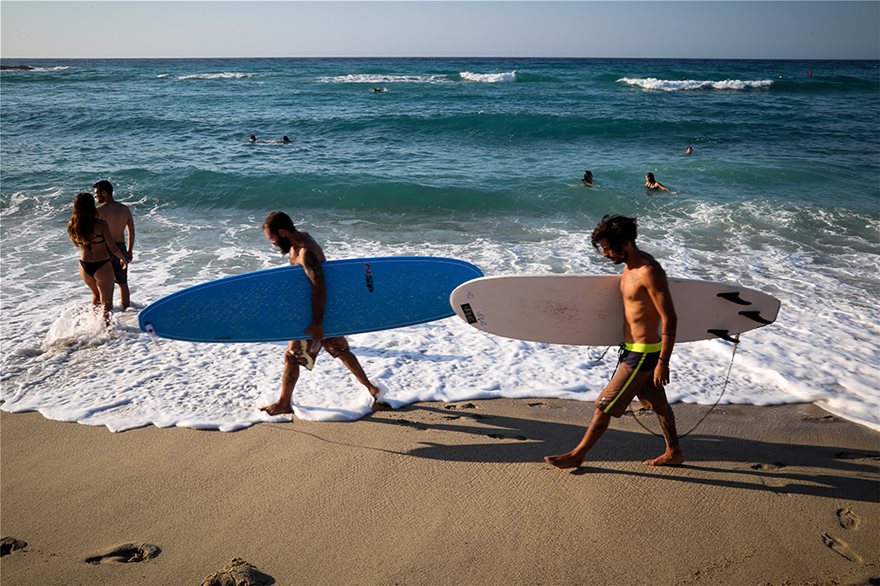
{"points": [[475, 158]]}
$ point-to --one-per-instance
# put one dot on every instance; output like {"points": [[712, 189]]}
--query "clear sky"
{"points": [[700, 29]]}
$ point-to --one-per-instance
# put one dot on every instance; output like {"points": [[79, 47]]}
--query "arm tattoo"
{"points": [[313, 268]]}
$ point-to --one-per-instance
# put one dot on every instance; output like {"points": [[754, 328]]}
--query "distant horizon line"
{"points": [[532, 58]]}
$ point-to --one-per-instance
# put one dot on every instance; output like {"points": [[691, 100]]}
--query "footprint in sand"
{"points": [[454, 407], [640, 412], [11, 544], [826, 418], [126, 553], [240, 573], [410, 423], [770, 481], [768, 467], [848, 519], [498, 436], [842, 548]]}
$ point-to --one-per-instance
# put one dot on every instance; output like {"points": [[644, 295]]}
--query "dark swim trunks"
{"points": [[634, 377], [120, 274]]}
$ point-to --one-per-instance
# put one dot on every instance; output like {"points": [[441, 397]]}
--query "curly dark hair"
{"points": [[616, 230]]}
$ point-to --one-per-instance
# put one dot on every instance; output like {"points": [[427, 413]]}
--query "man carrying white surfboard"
{"points": [[302, 250], [649, 334]]}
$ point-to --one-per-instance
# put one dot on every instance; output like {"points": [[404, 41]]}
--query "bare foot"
{"points": [[378, 403], [278, 408], [563, 461], [381, 406], [667, 458]]}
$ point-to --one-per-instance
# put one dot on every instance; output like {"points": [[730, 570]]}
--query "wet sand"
{"points": [[446, 494]]}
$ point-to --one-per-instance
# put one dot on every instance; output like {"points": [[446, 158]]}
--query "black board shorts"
{"points": [[634, 377], [120, 274]]}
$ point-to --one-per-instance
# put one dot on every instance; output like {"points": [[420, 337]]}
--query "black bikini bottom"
{"points": [[91, 267]]}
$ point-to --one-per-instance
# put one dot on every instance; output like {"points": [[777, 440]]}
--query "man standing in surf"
{"points": [[118, 217], [649, 335], [302, 250]]}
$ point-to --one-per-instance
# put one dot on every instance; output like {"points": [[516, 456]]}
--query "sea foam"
{"points": [[488, 77], [671, 85], [224, 75], [383, 78], [70, 368]]}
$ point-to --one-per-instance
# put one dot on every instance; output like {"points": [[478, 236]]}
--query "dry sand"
{"points": [[435, 495]]}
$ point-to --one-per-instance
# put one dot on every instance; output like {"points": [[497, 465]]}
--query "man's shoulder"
{"points": [[654, 274], [649, 268], [113, 206], [313, 246]]}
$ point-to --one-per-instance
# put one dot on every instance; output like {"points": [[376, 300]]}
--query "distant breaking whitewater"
{"points": [[226, 75], [671, 85], [488, 77], [383, 78]]}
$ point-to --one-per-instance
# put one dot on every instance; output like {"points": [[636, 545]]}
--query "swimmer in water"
{"points": [[652, 183], [588, 178], [284, 139], [689, 151]]}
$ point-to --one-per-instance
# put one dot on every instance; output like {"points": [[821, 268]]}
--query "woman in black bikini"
{"points": [[92, 236]]}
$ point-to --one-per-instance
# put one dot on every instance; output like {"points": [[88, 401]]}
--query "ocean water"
{"points": [[478, 159]]}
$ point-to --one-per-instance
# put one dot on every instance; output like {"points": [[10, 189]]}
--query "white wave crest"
{"points": [[383, 78], [673, 85], [225, 75], [488, 77], [28, 68]]}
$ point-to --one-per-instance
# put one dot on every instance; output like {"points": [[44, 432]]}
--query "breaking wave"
{"points": [[673, 85]]}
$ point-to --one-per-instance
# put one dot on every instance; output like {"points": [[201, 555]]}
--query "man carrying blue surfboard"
{"points": [[649, 335], [302, 250]]}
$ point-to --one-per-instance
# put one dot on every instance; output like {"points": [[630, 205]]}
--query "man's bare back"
{"points": [[117, 216]]}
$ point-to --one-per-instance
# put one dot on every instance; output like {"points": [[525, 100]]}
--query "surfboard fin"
{"points": [[724, 335], [734, 297], [148, 327], [756, 316]]}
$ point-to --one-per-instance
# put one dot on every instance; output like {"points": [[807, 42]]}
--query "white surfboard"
{"points": [[588, 310]]}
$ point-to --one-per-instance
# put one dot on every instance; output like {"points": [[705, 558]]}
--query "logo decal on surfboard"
{"points": [[468, 313], [368, 275]]}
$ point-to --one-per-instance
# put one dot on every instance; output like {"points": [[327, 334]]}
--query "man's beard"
{"points": [[284, 244], [617, 257]]}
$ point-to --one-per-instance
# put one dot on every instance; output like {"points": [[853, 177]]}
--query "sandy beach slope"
{"points": [[448, 494]]}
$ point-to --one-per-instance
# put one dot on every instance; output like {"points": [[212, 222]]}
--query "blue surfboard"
{"points": [[363, 295]]}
